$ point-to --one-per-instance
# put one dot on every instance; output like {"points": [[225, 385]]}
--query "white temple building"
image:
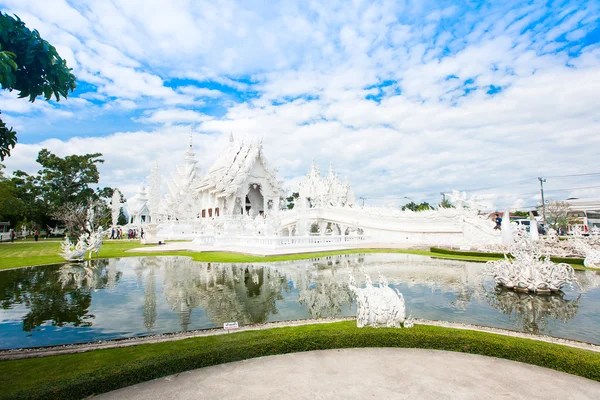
{"points": [[240, 182], [239, 203], [137, 210], [330, 191]]}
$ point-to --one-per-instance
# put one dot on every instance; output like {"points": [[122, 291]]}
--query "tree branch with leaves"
{"points": [[31, 66]]}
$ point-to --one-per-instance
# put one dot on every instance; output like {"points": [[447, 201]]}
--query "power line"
{"points": [[569, 176], [577, 188]]}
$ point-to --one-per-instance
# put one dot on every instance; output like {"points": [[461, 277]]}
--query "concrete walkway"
{"points": [[386, 373]]}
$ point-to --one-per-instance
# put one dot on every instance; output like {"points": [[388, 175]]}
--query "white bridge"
{"points": [[339, 227]]}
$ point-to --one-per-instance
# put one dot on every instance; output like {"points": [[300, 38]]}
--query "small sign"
{"points": [[230, 325], [465, 247]]}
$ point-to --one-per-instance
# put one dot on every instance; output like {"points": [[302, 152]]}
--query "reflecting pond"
{"points": [[116, 298]]}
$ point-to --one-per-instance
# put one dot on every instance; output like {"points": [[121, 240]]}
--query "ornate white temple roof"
{"points": [[230, 170], [325, 191], [137, 202]]}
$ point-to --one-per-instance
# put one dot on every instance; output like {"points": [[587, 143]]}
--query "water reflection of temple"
{"points": [[251, 293], [531, 311]]}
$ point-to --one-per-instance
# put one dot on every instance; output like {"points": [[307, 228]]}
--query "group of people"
{"points": [[117, 233]]}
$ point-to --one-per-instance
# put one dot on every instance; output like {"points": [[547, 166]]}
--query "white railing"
{"points": [[287, 241]]}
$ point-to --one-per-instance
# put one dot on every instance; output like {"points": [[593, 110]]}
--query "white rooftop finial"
{"points": [[191, 144], [231, 137]]}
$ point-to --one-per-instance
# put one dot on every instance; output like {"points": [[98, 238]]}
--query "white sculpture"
{"points": [[86, 242], [71, 252], [590, 253], [95, 242], [378, 306], [507, 234], [533, 228], [528, 271], [115, 207]]}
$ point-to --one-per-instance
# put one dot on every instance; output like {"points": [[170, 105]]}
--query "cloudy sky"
{"points": [[406, 98]]}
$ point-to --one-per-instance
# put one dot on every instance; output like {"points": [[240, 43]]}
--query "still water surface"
{"points": [[116, 298]]}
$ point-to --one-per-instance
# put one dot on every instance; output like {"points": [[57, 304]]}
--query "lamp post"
{"points": [[543, 201]]}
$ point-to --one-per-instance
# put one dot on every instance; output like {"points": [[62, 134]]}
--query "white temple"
{"points": [[238, 203], [137, 208], [238, 183]]}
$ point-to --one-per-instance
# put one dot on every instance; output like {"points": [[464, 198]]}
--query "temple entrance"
{"points": [[255, 201]]}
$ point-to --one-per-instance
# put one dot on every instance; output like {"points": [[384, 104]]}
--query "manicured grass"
{"points": [[84, 374], [25, 254]]}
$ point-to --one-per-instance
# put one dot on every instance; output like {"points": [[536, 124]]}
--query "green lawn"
{"points": [[23, 254], [84, 374]]}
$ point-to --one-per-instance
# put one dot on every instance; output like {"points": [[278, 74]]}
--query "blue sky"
{"points": [[406, 98]]}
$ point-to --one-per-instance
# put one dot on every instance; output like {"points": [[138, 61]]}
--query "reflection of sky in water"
{"points": [[119, 298]]}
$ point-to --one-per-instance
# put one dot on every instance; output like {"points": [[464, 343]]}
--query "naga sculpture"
{"points": [[528, 271], [378, 306], [95, 242], [86, 242], [71, 252]]}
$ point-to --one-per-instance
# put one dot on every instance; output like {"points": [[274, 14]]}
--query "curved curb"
{"points": [[36, 352]]}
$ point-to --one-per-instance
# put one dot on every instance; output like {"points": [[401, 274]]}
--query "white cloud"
{"points": [[308, 72], [173, 116]]}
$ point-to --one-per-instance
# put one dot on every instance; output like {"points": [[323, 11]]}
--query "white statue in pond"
{"points": [[378, 306], [528, 271]]}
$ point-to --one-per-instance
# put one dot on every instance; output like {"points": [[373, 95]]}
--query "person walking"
{"points": [[498, 222], [13, 235], [112, 233], [36, 234]]}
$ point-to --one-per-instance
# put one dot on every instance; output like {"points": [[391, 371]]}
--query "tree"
{"points": [[30, 65], [445, 204], [291, 200], [557, 215], [61, 190], [11, 207], [412, 206]]}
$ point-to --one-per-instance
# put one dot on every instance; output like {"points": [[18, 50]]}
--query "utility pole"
{"points": [[543, 201], [363, 201], [443, 197]]}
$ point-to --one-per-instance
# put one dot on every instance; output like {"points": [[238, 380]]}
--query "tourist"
{"points": [[498, 222], [141, 233], [112, 233], [13, 235], [36, 234]]}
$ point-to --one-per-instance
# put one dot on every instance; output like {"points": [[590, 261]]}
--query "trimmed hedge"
{"points": [[567, 260], [95, 372], [439, 250]]}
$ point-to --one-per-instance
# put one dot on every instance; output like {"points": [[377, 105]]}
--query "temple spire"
{"points": [[231, 137], [189, 155], [331, 173]]}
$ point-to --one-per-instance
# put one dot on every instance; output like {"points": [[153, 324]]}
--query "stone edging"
{"points": [[17, 354]]}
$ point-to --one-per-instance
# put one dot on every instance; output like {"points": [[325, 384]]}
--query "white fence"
{"points": [[282, 241]]}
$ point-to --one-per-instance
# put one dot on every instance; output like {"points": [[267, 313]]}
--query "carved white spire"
{"points": [[115, 206], [314, 170], [331, 174], [231, 138], [190, 156], [154, 200]]}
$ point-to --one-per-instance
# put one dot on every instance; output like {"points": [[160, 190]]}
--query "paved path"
{"points": [[367, 373]]}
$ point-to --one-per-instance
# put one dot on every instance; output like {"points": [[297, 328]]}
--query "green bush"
{"points": [[568, 260], [466, 253]]}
